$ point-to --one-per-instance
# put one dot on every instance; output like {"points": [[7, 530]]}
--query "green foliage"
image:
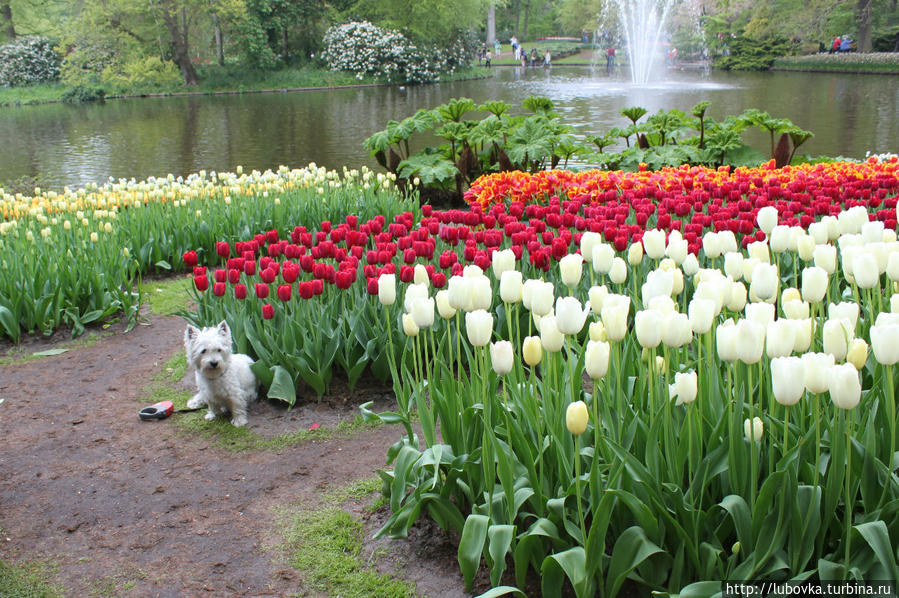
{"points": [[148, 73], [80, 93], [28, 61], [747, 54], [27, 581]]}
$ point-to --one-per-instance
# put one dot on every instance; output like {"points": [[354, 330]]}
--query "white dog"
{"points": [[224, 380]]}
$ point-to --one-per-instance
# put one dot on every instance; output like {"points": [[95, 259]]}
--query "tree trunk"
{"points": [[864, 16], [491, 23], [219, 40], [527, 13], [516, 19], [6, 22], [179, 42]]}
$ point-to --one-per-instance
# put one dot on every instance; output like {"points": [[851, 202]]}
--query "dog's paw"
{"points": [[196, 402], [239, 420], [209, 416]]}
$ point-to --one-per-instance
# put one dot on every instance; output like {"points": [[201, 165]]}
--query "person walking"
{"points": [[487, 59], [547, 59]]}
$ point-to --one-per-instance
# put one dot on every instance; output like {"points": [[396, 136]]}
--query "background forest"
{"points": [[168, 42]]}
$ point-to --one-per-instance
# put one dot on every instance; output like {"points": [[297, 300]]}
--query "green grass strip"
{"points": [[27, 580]]}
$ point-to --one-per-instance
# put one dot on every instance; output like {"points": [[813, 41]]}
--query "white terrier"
{"points": [[225, 381]]}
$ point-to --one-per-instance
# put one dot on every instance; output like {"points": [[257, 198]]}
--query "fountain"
{"points": [[643, 22]]}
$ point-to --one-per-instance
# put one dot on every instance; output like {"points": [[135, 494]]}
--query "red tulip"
{"points": [[233, 276], [284, 292], [190, 258], [223, 249], [240, 291], [201, 282], [268, 311], [218, 289], [221, 275]]}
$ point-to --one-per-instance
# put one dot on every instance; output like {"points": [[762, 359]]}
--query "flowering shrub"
{"points": [[368, 50], [28, 61]]}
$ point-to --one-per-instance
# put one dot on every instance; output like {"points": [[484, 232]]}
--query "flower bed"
{"points": [[874, 62]]}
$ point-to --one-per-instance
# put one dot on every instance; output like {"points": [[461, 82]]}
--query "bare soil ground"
{"points": [[146, 510]]}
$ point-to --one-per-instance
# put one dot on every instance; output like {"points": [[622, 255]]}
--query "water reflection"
{"points": [[73, 145]]}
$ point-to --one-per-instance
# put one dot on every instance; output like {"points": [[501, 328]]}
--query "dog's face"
{"points": [[209, 349]]}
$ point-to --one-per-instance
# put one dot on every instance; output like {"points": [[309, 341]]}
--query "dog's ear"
{"points": [[190, 335], [223, 329]]}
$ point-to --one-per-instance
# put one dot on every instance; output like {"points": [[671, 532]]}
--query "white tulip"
{"points": [[803, 335], [677, 250], [409, 327], [750, 341], [825, 257], [684, 388], [472, 271], [733, 265], [780, 238], [597, 331], [787, 379], [690, 265], [501, 357], [676, 330], [597, 295], [865, 271], [765, 281], [572, 269], [420, 275], [767, 219], [753, 430], [814, 284], [737, 298], [662, 304], [481, 293], [510, 286], [805, 246], [846, 309], [479, 327], [780, 338], [726, 341], [658, 283], [728, 241], [532, 350], [589, 240], [542, 298], [648, 326], [596, 359], [893, 266], [796, 309], [837, 335], [761, 313], [711, 245], [702, 314], [603, 254], [387, 289], [759, 251], [618, 273], [818, 231], [527, 291], [885, 343], [635, 254], [460, 292], [444, 308], [423, 312], [817, 371], [614, 314], [654, 243], [570, 315], [550, 336], [501, 262], [413, 293], [845, 386], [872, 231]]}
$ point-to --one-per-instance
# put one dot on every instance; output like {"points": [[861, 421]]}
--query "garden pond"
{"points": [[73, 145]]}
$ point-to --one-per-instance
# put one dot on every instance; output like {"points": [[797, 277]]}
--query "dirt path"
{"points": [[109, 499]]}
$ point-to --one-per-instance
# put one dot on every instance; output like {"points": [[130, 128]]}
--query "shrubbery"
{"points": [[141, 74], [28, 61], [368, 50], [748, 54]]}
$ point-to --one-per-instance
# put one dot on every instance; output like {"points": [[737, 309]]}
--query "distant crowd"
{"points": [[485, 56]]}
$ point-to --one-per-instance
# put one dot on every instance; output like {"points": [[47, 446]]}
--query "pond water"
{"points": [[74, 145]]}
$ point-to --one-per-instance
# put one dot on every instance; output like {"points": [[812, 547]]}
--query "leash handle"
{"points": [[160, 410]]}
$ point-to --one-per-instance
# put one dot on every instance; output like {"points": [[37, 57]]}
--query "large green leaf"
{"points": [[431, 169], [499, 542], [877, 536], [283, 386], [471, 545], [572, 564], [631, 549]]}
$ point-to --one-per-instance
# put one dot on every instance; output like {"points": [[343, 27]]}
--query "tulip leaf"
{"points": [[471, 545], [699, 589], [631, 549], [282, 386], [571, 563], [501, 591], [264, 373], [499, 542], [531, 548], [163, 265], [877, 536]]}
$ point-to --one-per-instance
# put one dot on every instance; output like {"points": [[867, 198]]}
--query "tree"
{"points": [[865, 19], [6, 22], [435, 22], [178, 18]]}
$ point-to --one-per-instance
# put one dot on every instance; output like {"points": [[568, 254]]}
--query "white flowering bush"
{"points": [[28, 61], [368, 50]]}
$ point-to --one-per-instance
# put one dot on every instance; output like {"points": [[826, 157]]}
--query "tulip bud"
{"points": [[795, 309], [550, 336], [825, 257], [847, 310], [753, 430], [618, 273], [803, 335], [780, 238], [837, 335], [420, 275], [654, 243], [677, 250], [750, 341], [661, 366], [865, 271], [635, 255], [576, 417], [684, 388], [532, 350], [502, 261], [787, 379], [423, 312], [726, 341], [817, 371], [501, 357], [387, 289], [572, 268], [603, 256], [893, 266], [648, 326], [597, 295], [614, 313], [872, 231], [736, 301], [818, 232], [733, 265], [885, 343], [765, 281], [790, 294], [676, 330], [479, 327], [444, 308], [858, 353], [780, 338], [762, 313], [701, 313], [711, 245], [814, 284], [413, 293], [459, 289], [527, 291], [596, 359], [767, 219], [658, 283], [589, 240], [845, 386], [806, 248], [759, 251], [472, 271], [409, 327], [510, 286], [542, 298], [597, 331]]}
